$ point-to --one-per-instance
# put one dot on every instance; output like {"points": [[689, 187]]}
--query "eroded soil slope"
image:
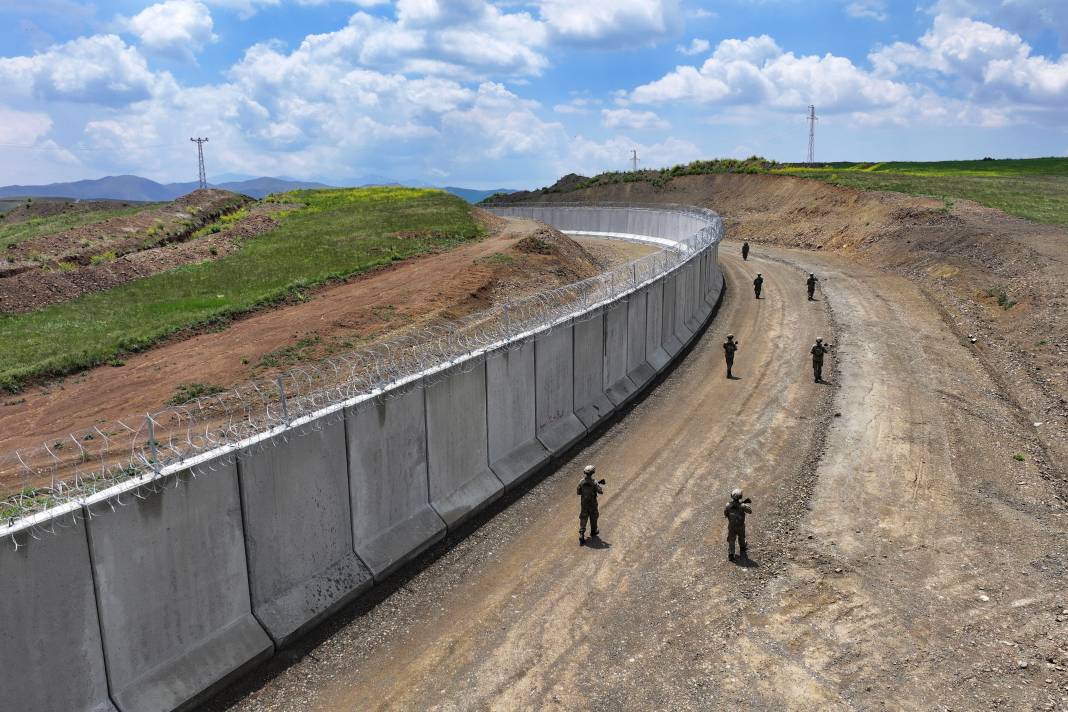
{"points": [[519, 257], [57, 267]]}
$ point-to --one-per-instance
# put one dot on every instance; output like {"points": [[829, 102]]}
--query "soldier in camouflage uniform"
{"points": [[730, 346], [811, 282], [818, 350], [758, 284], [745, 251], [735, 512], [588, 489]]}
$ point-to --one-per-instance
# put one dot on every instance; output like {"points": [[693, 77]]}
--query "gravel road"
{"points": [[901, 557]]}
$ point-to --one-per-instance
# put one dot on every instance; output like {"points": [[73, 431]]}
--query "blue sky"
{"points": [[515, 93]]}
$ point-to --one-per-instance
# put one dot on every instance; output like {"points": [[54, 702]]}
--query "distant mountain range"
{"points": [[136, 188]]}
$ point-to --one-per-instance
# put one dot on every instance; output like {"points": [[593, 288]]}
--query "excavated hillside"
{"points": [[998, 280]]}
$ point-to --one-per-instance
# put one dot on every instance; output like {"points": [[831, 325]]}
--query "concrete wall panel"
{"points": [[461, 482], [514, 449], [554, 369], [172, 590], [392, 519], [591, 403], [682, 306], [617, 385], [668, 339], [51, 655], [638, 369], [654, 348], [298, 529]]}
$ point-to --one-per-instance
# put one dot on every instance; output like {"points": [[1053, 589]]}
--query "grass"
{"points": [[223, 223], [1034, 188], [18, 232], [186, 392], [337, 234]]}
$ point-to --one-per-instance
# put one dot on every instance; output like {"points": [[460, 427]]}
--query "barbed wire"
{"points": [[208, 432]]}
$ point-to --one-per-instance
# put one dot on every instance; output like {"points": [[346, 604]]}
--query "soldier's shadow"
{"points": [[743, 561], [596, 542]]}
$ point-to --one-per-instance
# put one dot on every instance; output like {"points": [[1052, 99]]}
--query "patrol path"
{"points": [[904, 496]]}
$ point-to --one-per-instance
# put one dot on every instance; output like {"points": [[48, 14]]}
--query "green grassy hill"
{"points": [[338, 233], [1032, 188]]}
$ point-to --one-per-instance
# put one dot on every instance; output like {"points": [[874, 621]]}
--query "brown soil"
{"points": [[899, 558], [337, 318], [900, 555], [54, 268]]}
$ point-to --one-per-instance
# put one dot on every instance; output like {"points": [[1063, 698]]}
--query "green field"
{"points": [[1034, 188], [16, 232], [337, 234]]}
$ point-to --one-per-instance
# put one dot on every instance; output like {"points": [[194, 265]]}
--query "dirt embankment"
{"points": [[58, 267], [998, 279], [519, 257]]}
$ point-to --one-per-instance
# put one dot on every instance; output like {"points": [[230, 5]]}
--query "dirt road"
{"points": [[901, 558]]}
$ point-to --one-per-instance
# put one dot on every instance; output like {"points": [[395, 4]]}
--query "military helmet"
{"points": [[589, 469], [736, 493], [819, 339], [730, 336]]}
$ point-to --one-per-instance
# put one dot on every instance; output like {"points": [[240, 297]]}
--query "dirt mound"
{"points": [[55, 268], [1000, 280], [31, 290]]}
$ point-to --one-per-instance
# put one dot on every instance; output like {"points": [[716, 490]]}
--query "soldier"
{"points": [[758, 283], [811, 286], [588, 489], [818, 350], [735, 512], [745, 251], [730, 346]]}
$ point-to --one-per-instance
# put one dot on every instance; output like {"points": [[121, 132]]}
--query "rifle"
{"points": [[747, 500]]}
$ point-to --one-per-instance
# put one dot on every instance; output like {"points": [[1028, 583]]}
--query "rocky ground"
{"points": [[909, 546]]}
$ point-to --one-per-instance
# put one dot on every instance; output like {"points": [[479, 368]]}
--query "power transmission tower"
{"points": [[634, 159], [203, 178], [812, 134]]}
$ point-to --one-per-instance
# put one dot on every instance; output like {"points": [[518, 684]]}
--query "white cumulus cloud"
{"points": [[696, 46], [614, 23], [991, 64], [101, 69], [627, 118], [179, 28], [757, 71]]}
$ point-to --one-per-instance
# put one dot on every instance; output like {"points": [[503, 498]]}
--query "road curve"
{"points": [[895, 564], [519, 616]]}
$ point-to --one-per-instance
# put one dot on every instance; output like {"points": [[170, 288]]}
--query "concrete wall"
{"points": [[298, 529], [461, 482], [152, 599], [591, 403], [172, 589], [392, 519], [554, 376], [617, 384], [638, 369], [514, 449], [655, 354], [668, 340], [51, 655]]}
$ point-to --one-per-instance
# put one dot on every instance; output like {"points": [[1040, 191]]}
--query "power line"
{"points": [[812, 134], [200, 160]]}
